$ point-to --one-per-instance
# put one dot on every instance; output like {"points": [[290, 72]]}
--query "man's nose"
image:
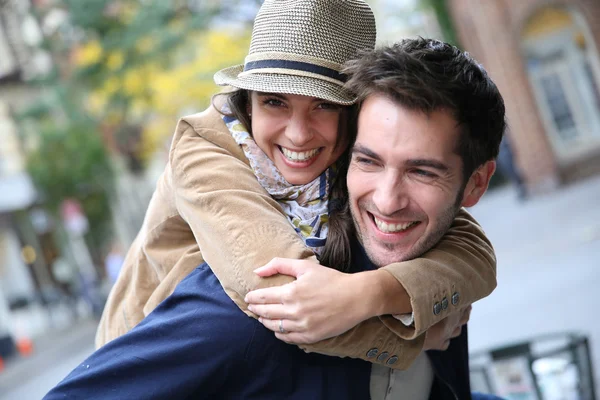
{"points": [[299, 131], [390, 195]]}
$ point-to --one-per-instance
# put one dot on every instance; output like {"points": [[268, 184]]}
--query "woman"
{"points": [[270, 148]]}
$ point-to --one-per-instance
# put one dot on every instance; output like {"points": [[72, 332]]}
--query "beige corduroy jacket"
{"points": [[209, 207]]}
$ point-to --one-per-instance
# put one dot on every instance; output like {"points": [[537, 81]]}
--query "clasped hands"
{"points": [[323, 302], [313, 307]]}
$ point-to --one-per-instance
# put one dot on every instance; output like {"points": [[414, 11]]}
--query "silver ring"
{"points": [[281, 326]]}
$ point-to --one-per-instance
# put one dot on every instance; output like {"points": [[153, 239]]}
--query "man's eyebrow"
{"points": [[358, 148], [428, 163]]}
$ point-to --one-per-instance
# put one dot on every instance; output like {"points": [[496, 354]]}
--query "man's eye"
{"points": [[424, 173], [363, 161]]}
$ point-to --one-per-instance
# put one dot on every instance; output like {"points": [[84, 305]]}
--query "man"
{"points": [[417, 159], [425, 147], [423, 150]]}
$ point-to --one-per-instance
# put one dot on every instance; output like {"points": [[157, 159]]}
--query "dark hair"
{"points": [[337, 251], [237, 100], [429, 75]]}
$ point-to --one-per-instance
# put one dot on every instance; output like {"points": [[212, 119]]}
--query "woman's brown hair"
{"points": [[237, 101]]}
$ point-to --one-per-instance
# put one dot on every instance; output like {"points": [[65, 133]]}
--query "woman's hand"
{"points": [[320, 304]]}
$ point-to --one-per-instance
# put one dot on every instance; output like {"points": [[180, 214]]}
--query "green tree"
{"points": [[440, 8], [117, 49], [72, 162]]}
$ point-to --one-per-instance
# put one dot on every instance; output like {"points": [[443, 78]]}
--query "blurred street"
{"points": [[55, 355], [548, 253]]}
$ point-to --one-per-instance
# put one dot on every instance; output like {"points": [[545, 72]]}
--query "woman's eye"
{"points": [[328, 106], [273, 102]]}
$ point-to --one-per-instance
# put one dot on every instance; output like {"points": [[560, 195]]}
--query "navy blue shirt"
{"points": [[197, 344]]}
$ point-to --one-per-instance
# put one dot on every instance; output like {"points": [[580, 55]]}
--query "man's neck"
{"points": [[360, 260]]}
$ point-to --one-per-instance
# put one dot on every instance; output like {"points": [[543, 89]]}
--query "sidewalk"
{"points": [[548, 251], [55, 354]]}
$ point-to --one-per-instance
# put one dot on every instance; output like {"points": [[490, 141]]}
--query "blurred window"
{"points": [[564, 69], [593, 84], [559, 106]]}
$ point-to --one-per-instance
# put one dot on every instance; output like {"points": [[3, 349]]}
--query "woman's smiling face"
{"points": [[298, 133]]}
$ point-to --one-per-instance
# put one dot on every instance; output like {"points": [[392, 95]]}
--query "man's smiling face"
{"points": [[405, 179]]}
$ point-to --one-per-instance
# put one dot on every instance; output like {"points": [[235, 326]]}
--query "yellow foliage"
{"points": [[158, 96], [88, 54], [146, 44], [128, 11], [115, 60], [111, 86], [189, 86], [133, 83], [96, 102]]}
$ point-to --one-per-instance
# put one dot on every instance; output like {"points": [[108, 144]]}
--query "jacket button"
{"points": [[437, 308], [372, 353], [444, 303], [383, 356], [392, 360], [455, 298]]}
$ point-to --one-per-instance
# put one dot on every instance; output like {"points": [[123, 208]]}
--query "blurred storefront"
{"points": [[17, 194], [28, 251], [543, 54], [398, 19], [549, 367]]}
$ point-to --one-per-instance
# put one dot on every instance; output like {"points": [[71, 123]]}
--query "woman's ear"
{"points": [[478, 184]]}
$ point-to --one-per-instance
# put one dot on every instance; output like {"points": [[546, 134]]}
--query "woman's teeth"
{"points": [[392, 228], [299, 156]]}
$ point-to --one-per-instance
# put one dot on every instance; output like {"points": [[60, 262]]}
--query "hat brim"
{"points": [[286, 84]]}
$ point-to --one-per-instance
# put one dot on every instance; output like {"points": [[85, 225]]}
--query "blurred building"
{"points": [[543, 54], [24, 270], [397, 19]]}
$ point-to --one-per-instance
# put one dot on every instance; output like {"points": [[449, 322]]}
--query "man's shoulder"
{"points": [[200, 306]]}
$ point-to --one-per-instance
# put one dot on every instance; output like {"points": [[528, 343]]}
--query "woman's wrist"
{"points": [[382, 294]]}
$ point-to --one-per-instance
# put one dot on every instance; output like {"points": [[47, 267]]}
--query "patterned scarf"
{"points": [[304, 205]]}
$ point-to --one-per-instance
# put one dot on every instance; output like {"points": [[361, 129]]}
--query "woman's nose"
{"points": [[299, 131]]}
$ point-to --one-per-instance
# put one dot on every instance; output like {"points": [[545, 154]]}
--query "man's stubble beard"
{"points": [[424, 244]]}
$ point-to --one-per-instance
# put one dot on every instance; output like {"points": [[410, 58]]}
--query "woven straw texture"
{"points": [[321, 32]]}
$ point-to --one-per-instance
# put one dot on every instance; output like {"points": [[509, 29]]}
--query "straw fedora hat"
{"points": [[299, 47]]}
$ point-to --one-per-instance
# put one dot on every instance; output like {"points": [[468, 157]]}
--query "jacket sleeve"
{"points": [[184, 347], [457, 272], [236, 223]]}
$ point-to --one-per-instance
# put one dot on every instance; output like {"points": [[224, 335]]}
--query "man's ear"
{"points": [[478, 184]]}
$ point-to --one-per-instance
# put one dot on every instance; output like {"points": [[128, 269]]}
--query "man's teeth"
{"points": [[299, 156], [392, 228]]}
